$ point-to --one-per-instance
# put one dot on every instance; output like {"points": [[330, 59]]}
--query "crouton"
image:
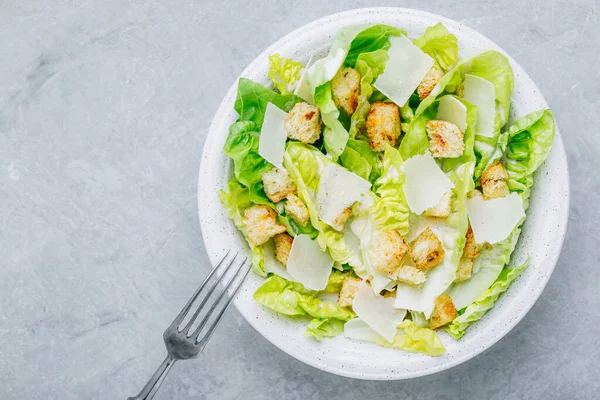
{"points": [[340, 220], [345, 87], [388, 251], [493, 181], [349, 289], [283, 245], [410, 275], [303, 123], [295, 208], [443, 208], [471, 249], [428, 83], [464, 271], [443, 313], [278, 184], [426, 250], [383, 125], [261, 224], [445, 139]]}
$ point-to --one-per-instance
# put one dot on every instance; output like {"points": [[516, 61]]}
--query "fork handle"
{"points": [[157, 379]]}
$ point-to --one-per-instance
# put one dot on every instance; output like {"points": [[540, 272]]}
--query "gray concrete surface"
{"points": [[104, 107]]}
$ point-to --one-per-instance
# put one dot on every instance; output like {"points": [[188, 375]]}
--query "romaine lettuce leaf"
{"points": [[529, 142], [390, 210], [369, 40], [291, 298], [335, 135], [440, 45], [252, 98], [320, 328], [409, 337], [485, 302], [284, 73]]}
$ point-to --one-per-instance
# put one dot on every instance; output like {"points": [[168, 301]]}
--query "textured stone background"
{"points": [[103, 110]]}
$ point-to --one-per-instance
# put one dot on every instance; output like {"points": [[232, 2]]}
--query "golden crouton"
{"points": [[383, 125], [443, 313], [465, 269], [426, 250], [410, 275], [388, 251], [428, 83], [295, 208], [471, 249], [261, 224], [345, 87], [278, 184], [349, 289], [303, 123], [443, 208], [493, 181], [283, 245], [445, 139], [340, 220]]}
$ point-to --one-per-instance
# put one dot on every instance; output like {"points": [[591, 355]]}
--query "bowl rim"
{"points": [[558, 146]]}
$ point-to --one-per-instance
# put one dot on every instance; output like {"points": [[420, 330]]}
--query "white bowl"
{"points": [[542, 236]]}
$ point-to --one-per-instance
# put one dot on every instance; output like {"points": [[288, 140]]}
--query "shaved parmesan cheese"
{"points": [[271, 145], [425, 183], [303, 89], [453, 110], [272, 264], [309, 265], [358, 329], [338, 190], [405, 69], [377, 311], [493, 220], [481, 93]]}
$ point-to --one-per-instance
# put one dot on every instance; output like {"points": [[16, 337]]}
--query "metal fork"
{"points": [[183, 344]]}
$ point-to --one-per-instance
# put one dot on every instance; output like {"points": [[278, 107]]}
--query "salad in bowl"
{"points": [[381, 188]]}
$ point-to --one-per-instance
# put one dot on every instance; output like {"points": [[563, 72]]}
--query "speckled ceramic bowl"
{"points": [[542, 236]]}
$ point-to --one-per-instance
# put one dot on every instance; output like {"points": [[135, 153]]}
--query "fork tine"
{"points": [[212, 328], [188, 305], [207, 296], [196, 332]]}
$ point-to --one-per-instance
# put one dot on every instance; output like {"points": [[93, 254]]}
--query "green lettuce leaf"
{"points": [[416, 340], [369, 66], [335, 135], [359, 158], [284, 73], [440, 45], [320, 328], [371, 39], [252, 98], [390, 210], [335, 281], [291, 298], [485, 302], [529, 142]]}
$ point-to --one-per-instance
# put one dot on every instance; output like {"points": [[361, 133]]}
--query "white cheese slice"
{"points": [[377, 311], [309, 265], [359, 330], [452, 110], [303, 88], [493, 220], [271, 145], [405, 69], [272, 264], [338, 189], [480, 92], [425, 183]]}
